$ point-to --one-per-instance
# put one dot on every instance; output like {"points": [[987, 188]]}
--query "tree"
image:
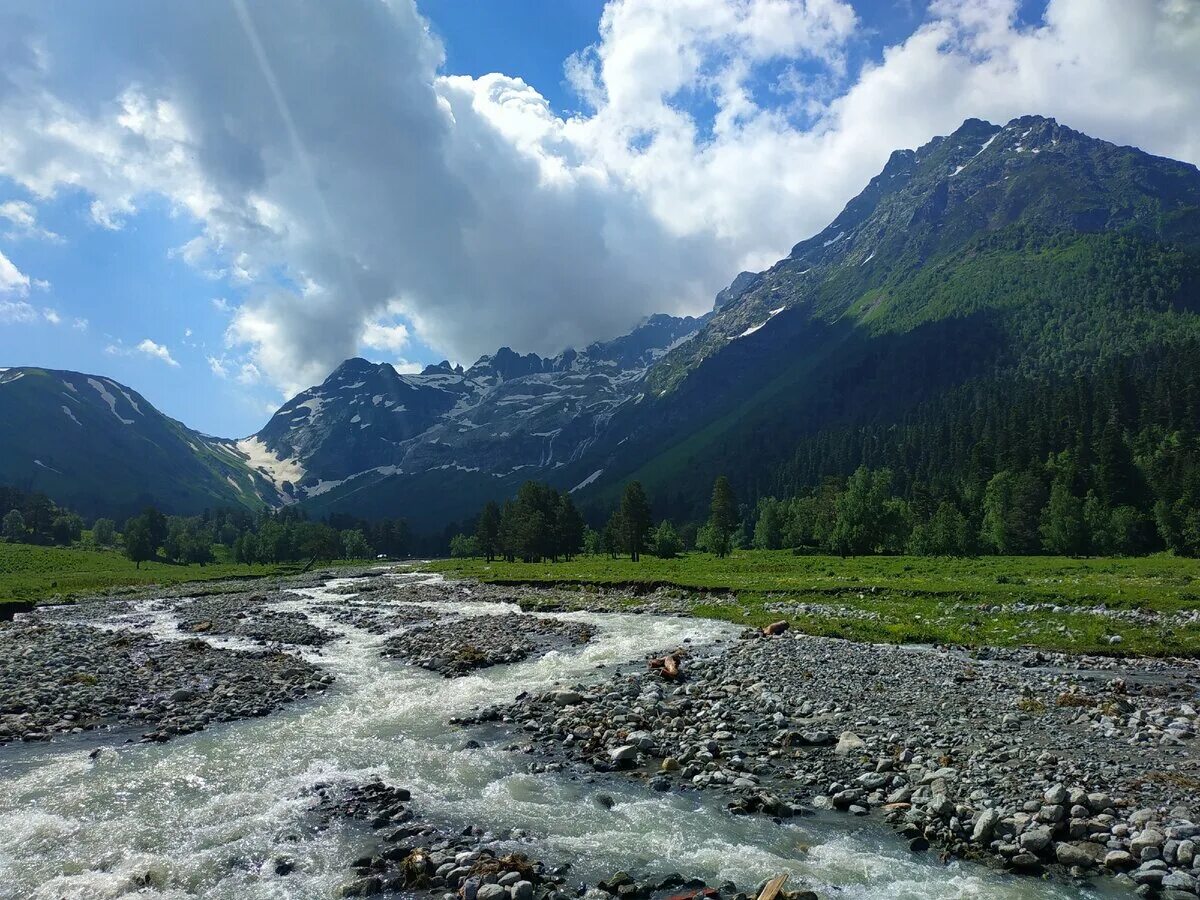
{"points": [[245, 549], [570, 527], [768, 530], [666, 541], [354, 544], [593, 542], [156, 523], [865, 518], [487, 530], [613, 537], [945, 534], [139, 545], [1012, 505], [103, 532], [635, 519], [722, 517], [318, 541], [463, 546], [60, 530], [1062, 527], [13, 526]]}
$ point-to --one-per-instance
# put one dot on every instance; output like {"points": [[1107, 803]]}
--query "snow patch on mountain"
{"points": [[109, 399], [277, 470]]}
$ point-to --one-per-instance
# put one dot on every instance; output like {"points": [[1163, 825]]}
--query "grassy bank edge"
{"points": [[1116, 607]]}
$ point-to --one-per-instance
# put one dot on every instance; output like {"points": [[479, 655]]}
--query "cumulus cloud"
{"points": [[21, 217], [381, 336], [359, 195], [17, 312], [158, 351], [13, 282], [146, 347]]}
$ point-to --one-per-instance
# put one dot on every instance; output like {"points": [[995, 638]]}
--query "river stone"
{"points": [[1119, 860], [1149, 838], [1036, 839], [623, 756], [1079, 853], [984, 824], [1180, 881], [491, 892], [849, 742]]}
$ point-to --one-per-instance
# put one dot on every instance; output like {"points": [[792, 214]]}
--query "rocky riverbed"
{"points": [[1034, 763], [1029, 762], [461, 645], [58, 678], [249, 616]]}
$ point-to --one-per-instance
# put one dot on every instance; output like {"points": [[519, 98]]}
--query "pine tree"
{"points": [[570, 526], [722, 517], [487, 531], [635, 519]]}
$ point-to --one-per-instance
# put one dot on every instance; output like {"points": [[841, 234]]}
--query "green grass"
{"points": [[970, 602], [33, 574]]}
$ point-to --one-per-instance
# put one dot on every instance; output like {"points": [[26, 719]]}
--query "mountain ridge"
{"points": [[995, 249]]}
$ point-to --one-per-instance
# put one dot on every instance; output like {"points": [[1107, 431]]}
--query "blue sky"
{"points": [[216, 206]]}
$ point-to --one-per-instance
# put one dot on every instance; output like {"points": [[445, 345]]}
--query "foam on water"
{"points": [[203, 815]]}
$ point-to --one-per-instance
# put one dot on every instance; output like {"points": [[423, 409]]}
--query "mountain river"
{"points": [[203, 815]]}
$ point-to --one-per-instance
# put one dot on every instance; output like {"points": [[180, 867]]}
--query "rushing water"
{"points": [[204, 815]]}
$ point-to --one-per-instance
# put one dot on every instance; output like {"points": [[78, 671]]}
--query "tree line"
{"points": [[232, 534], [542, 524]]}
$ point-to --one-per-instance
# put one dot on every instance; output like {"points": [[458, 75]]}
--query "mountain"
{"points": [[993, 297], [993, 255], [435, 444], [100, 448]]}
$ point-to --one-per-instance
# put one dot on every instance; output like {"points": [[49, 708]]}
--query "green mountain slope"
{"points": [[995, 252], [101, 448]]}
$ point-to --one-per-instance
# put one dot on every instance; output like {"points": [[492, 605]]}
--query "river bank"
{"points": [[231, 808]]}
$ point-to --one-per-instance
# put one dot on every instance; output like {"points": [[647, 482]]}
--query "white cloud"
{"points": [[51, 316], [80, 324], [221, 305], [249, 374], [22, 221], [497, 221], [158, 351], [13, 282], [381, 336], [17, 312], [218, 366]]}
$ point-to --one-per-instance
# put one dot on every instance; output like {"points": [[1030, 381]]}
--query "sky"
{"points": [[217, 202]]}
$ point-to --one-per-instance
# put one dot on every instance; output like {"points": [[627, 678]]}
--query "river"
{"points": [[204, 815]]}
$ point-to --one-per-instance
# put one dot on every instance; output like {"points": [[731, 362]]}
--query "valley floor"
{"points": [[1145, 606]]}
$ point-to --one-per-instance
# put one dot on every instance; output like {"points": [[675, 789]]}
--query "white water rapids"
{"points": [[204, 815]]}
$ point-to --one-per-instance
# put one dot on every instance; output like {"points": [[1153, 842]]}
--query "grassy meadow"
{"points": [[30, 573], [1127, 606]]}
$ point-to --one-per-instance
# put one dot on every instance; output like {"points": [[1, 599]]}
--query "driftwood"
{"points": [[775, 628], [668, 666], [773, 887]]}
